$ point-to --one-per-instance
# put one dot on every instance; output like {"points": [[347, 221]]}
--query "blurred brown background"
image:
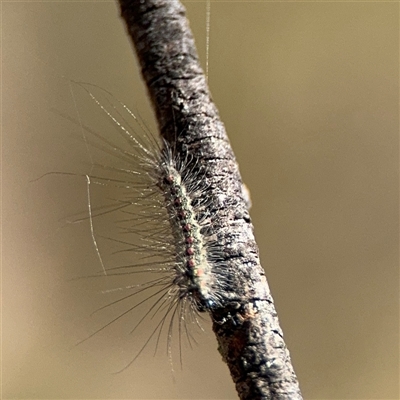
{"points": [[309, 96]]}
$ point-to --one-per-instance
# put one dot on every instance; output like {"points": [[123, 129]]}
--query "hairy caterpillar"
{"points": [[163, 207]]}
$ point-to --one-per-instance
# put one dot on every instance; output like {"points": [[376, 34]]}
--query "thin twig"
{"points": [[247, 328]]}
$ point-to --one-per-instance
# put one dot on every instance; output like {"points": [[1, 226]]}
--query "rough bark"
{"points": [[247, 328]]}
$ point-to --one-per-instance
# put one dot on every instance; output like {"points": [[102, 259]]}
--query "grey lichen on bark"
{"points": [[245, 323]]}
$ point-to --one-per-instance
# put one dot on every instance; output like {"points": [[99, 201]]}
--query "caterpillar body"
{"points": [[167, 211]]}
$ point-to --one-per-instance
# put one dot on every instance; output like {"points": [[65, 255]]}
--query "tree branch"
{"points": [[246, 326]]}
